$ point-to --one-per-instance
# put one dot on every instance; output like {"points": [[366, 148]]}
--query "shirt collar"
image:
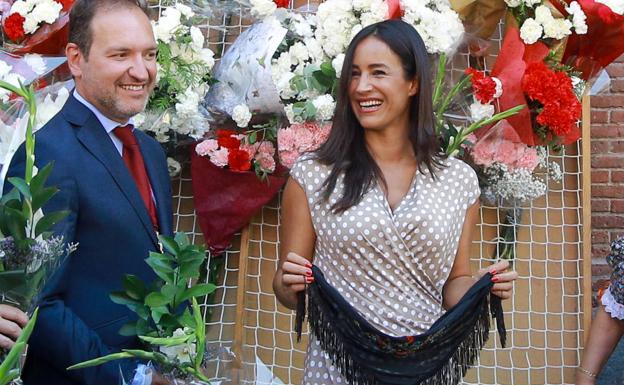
{"points": [[108, 124]]}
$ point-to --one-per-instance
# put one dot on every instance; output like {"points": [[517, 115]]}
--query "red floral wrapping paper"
{"points": [[225, 200]]}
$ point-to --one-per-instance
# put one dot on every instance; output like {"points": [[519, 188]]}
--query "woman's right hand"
{"points": [[296, 272], [12, 320]]}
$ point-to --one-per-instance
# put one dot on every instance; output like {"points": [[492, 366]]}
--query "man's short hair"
{"points": [[82, 14]]}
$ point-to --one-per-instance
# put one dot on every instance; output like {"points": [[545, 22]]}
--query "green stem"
{"points": [[437, 89]]}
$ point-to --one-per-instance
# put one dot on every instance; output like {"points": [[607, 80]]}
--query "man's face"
{"points": [[120, 71]]}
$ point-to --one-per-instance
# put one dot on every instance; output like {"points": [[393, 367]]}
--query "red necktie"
{"points": [[134, 161]]}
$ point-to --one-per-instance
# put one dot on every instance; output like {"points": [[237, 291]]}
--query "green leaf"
{"points": [[169, 244], [187, 319], [11, 361], [101, 360], [328, 69], [198, 291], [134, 286], [38, 181], [21, 185], [128, 330], [158, 312], [122, 298], [182, 240], [160, 267], [200, 332], [49, 220], [167, 341], [155, 300], [41, 196]]}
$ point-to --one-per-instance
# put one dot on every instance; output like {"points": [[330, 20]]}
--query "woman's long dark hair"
{"points": [[345, 149]]}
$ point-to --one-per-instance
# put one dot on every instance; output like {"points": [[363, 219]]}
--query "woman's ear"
{"points": [[413, 87]]}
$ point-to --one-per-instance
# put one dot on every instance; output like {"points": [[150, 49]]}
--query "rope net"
{"points": [[250, 334]]}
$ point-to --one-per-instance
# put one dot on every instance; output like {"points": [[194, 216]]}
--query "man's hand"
{"points": [[12, 320]]}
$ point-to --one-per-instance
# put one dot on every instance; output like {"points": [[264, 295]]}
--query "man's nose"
{"points": [[139, 68]]}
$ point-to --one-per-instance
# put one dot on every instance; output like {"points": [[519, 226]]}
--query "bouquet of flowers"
{"points": [[173, 111], [29, 253], [36, 26], [175, 336]]}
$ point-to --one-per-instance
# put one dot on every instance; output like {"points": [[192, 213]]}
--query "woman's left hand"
{"points": [[503, 279]]}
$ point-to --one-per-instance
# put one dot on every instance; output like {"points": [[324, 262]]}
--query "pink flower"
{"points": [[266, 147], [528, 160], [288, 158], [206, 147], [266, 161], [250, 149], [286, 139], [220, 157]]}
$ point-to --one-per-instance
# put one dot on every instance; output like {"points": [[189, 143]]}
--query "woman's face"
{"points": [[379, 93]]}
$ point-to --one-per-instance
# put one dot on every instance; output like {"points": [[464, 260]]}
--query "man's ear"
{"points": [[74, 59], [413, 87]]}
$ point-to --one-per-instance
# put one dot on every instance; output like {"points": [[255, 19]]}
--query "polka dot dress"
{"points": [[390, 265]]}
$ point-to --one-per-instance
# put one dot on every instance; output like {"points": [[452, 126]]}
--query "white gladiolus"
{"points": [[185, 10], [50, 107], [241, 115], [531, 31], [197, 37]]}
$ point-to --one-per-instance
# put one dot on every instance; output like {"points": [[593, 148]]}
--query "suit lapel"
{"points": [[95, 139]]}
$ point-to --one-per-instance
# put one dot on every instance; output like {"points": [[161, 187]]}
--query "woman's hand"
{"points": [[296, 272], [503, 279], [12, 320]]}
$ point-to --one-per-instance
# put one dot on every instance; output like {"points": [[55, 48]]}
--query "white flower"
{"points": [[531, 31], [174, 168], [302, 27], [241, 115], [183, 352], [361, 5], [22, 7], [187, 103], [314, 50], [325, 106], [283, 85], [197, 38], [298, 53], [557, 28], [167, 25], [513, 3], [284, 62], [499, 87], [262, 8], [480, 111], [138, 119], [13, 79], [30, 24], [207, 56], [36, 63], [616, 6], [578, 17], [5, 69], [337, 64], [46, 12], [50, 107], [543, 15], [185, 10], [531, 3]]}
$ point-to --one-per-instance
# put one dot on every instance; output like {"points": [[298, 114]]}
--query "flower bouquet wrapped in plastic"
{"points": [[174, 333], [40, 26], [173, 114], [29, 253]]}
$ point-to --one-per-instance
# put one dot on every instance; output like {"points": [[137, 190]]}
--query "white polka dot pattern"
{"points": [[390, 266]]}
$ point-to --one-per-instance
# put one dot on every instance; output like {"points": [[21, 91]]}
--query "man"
{"points": [[118, 194]]}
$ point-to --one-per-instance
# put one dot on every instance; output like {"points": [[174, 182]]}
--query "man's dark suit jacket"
{"points": [[108, 219]]}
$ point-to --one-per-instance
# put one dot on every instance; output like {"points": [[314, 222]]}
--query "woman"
{"points": [[379, 209], [608, 326], [12, 320]]}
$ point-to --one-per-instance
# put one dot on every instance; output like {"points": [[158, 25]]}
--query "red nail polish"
{"points": [[309, 279], [309, 273], [493, 271], [308, 265], [494, 279]]}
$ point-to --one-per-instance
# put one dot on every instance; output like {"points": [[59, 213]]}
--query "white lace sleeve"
{"points": [[613, 307]]}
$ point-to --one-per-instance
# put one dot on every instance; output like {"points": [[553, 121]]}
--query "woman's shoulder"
{"points": [[307, 170], [456, 168]]}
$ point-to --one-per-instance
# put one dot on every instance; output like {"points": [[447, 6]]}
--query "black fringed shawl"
{"points": [[367, 356]]}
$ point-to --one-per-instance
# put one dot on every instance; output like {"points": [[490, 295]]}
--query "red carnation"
{"points": [[14, 27], [66, 4], [226, 139], [282, 3], [238, 160], [484, 86]]}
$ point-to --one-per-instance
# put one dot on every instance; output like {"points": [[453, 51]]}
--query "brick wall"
{"points": [[607, 160]]}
